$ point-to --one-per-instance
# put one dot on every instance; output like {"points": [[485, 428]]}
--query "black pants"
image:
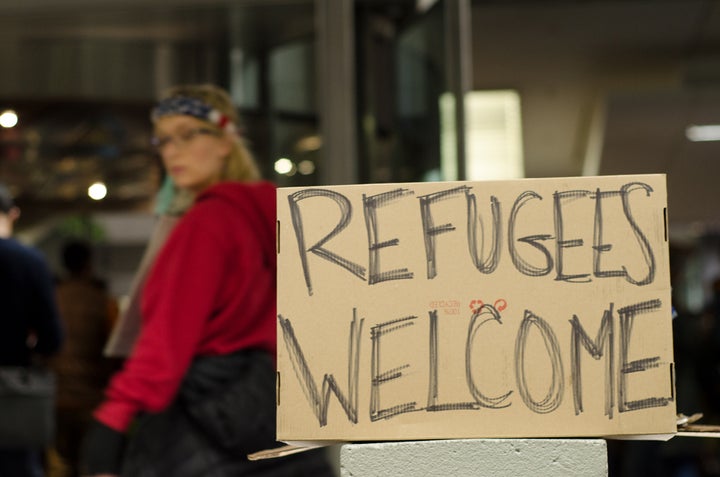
{"points": [[224, 411]]}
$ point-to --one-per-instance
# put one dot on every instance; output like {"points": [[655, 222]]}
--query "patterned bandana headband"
{"points": [[193, 107]]}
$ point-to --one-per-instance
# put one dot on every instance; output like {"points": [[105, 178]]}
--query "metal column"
{"points": [[336, 90], [458, 48]]}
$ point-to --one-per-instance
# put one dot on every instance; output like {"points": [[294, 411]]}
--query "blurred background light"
{"points": [[493, 135], [707, 132], [97, 191], [309, 143], [283, 165], [306, 167], [8, 118]]}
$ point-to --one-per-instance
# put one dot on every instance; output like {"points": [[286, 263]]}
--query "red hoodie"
{"points": [[211, 291]]}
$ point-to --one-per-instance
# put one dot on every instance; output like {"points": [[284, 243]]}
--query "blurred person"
{"points": [[197, 393], [29, 322], [708, 353], [87, 311]]}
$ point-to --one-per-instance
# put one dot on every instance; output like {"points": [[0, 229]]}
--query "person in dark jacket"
{"points": [[197, 394], [87, 311], [29, 322]]}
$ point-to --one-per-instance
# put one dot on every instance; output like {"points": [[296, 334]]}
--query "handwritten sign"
{"points": [[527, 308]]}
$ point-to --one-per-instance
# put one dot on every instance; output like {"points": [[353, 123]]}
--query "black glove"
{"points": [[101, 450]]}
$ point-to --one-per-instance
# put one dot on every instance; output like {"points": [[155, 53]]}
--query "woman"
{"points": [[200, 379]]}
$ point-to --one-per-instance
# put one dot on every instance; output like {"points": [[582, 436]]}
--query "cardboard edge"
{"points": [[295, 447], [642, 437], [290, 448]]}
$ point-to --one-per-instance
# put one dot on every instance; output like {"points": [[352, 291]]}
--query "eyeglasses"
{"points": [[181, 139]]}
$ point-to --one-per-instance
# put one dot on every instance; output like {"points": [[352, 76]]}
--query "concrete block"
{"points": [[476, 458]]}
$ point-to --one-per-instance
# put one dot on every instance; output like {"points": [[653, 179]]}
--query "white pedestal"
{"points": [[476, 458]]}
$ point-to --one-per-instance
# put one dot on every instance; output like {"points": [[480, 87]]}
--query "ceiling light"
{"points": [[97, 191], [8, 118], [706, 132], [283, 165]]}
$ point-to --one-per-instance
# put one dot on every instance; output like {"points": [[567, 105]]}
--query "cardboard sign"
{"points": [[527, 308]]}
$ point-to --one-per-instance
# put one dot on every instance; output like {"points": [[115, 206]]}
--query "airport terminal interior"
{"points": [[367, 91]]}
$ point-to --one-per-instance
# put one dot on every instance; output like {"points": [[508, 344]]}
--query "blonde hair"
{"points": [[240, 164]]}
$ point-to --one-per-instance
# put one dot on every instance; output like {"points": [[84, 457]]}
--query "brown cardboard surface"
{"points": [[527, 308]]}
